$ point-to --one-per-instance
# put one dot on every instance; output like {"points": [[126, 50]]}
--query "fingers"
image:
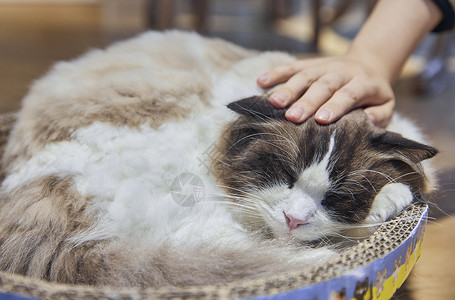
{"points": [[278, 75], [317, 94], [328, 89], [294, 87], [381, 115], [348, 97], [380, 103], [283, 73]]}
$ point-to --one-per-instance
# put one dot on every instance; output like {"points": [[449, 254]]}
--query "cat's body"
{"points": [[95, 163]]}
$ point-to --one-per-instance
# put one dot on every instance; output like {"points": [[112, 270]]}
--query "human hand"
{"points": [[329, 88]]}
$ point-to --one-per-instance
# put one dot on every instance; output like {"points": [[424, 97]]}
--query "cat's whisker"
{"points": [[352, 182], [394, 221], [277, 145], [324, 239], [258, 134], [390, 179], [284, 132], [217, 159], [239, 205], [265, 211], [439, 209], [350, 238], [283, 138], [435, 223], [232, 203], [260, 116], [404, 175], [235, 200], [250, 212], [369, 181], [332, 162], [241, 140], [241, 191]]}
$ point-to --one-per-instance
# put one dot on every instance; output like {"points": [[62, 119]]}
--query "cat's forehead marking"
{"points": [[316, 177]]}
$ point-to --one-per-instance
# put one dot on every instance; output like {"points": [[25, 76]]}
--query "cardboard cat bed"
{"points": [[372, 269]]}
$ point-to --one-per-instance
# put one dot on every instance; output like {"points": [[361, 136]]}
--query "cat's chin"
{"points": [[305, 234]]}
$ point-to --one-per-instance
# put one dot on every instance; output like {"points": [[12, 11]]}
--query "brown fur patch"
{"points": [[108, 86], [50, 212]]}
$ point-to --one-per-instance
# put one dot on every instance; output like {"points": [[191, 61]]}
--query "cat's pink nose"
{"points": [[292, 222]]}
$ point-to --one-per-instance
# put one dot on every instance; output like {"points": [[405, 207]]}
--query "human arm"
{"points": [[330, 87]]}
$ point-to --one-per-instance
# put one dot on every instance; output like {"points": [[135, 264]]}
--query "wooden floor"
{"points": [[33, 36], [434, 275]]}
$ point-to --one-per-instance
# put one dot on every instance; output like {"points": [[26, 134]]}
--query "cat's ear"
{"points": [[257, 106], [395, 144]]}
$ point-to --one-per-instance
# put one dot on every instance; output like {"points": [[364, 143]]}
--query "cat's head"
{"points": [[312, 181]]}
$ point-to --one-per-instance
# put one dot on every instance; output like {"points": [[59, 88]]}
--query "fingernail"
{"points": [[296, 113], [324, 114], [278, 99], [264, 79]]}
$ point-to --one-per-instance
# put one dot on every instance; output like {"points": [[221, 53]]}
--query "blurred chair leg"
{"points": [[201, 11], [279, 9], [160, 14], [317, 24]]}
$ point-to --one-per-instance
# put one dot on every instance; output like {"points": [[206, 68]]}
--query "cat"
{"points": [[396, 268], [381, 277], [362, 288], [340, 295], [159, 162]]}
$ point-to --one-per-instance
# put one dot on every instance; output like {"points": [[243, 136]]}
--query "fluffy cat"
{"points": [[109, 148]]}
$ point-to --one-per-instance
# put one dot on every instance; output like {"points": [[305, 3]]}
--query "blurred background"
{"points": [[36, 33]]}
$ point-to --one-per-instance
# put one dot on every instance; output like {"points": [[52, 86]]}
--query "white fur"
{"points": [[124, 169], [392, 198]]}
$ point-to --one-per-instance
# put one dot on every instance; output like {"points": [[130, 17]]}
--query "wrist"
{"points": [[369, 59], [390, 34]]}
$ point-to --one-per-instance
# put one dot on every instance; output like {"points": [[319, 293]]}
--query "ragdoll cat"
{"points": [[137, 166]]}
